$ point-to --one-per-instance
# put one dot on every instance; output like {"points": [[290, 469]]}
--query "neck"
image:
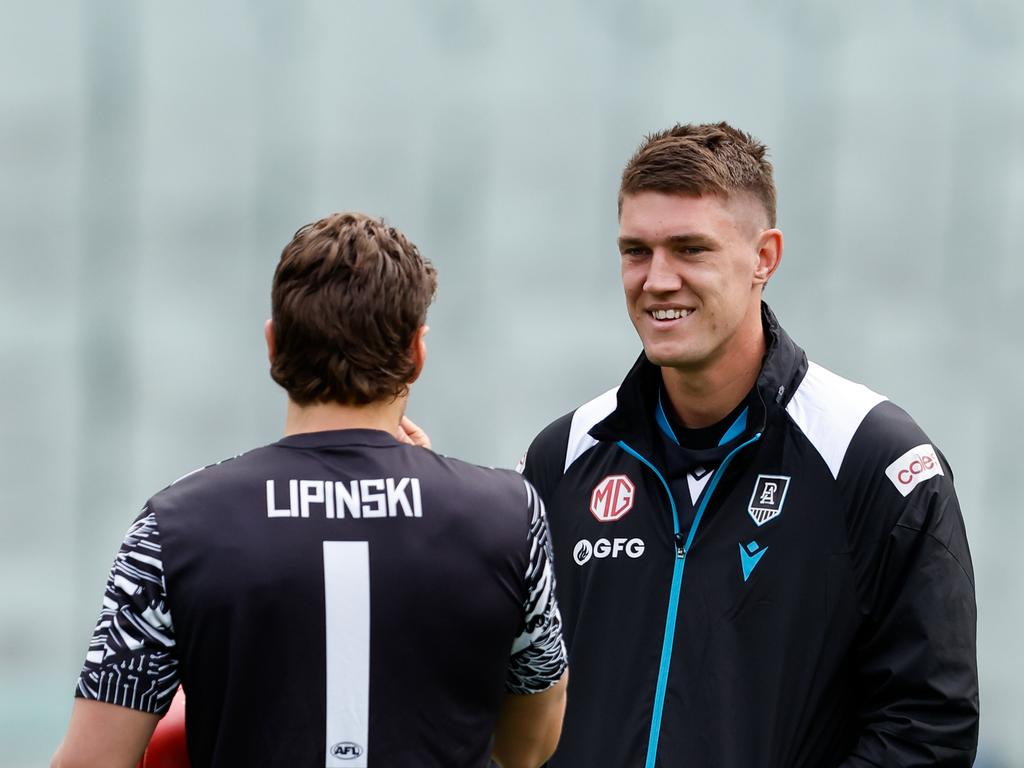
{"points": [[705, 396], [320, 417]]}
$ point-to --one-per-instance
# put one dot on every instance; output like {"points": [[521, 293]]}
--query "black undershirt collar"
{"points": [[686, 450]]}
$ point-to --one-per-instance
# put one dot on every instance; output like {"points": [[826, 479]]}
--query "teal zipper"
{"points": [[682, 548]]}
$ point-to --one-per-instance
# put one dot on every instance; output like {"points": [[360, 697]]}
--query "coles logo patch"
{"points": [[913, 467], [521, 465], [612, 498]]}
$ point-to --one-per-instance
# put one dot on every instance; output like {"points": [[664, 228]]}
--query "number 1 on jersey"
{"points": [[347, 610]]}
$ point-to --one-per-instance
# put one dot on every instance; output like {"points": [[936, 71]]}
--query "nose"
{"points": [[662, 277]]}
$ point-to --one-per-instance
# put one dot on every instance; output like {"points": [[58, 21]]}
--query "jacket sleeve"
{"points": [[916, 663]]}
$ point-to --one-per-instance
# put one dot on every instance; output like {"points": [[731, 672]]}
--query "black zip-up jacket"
{"points": [[809, 602]]}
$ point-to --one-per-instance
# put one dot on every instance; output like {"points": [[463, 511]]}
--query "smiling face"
{"points": [[693, 268]]}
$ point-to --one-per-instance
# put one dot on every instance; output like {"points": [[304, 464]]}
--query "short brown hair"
{"points": [[348, 296], [711, 158]]}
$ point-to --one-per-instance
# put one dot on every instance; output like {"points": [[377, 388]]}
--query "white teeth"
{"points": [[670, 314]]}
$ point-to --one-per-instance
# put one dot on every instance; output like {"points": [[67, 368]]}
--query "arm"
{"points": [[529, 725], [130, 672], [916, 661], [530, 719], [104, 734]]}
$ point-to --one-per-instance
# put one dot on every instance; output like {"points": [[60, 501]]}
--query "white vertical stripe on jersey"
{"points": [[347, 610]]}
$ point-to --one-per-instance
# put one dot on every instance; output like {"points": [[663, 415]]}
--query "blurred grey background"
{"points": [[156, 157]]}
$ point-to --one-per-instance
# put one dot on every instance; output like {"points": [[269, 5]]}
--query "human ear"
{"points": [[268, 334], [769, 255], [419, 351]]}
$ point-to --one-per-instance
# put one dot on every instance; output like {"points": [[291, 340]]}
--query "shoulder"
{"points": [[492, 508], [469, 477], [565, 439], [852, 427], [212, 479], [829, 411], [890, 456], [873, 448]]}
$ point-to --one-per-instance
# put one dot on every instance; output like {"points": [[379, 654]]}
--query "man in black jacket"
{"points": [[759, 562]]}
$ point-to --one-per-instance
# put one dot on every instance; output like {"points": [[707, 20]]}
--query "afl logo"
{"points": [[346, 750], [612, 498]]}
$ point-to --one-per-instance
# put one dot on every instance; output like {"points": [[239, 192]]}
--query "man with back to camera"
{"points": [[338, 597], [759, 563]]}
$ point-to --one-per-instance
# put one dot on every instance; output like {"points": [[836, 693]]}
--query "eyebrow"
{"points": [[688, 238]]}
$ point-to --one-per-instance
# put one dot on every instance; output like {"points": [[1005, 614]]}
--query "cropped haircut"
{"points": [[711, 158], [348, 296]]}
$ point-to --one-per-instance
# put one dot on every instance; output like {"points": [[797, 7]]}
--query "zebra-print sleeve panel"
{"points": [[538, 652], [131, 659]]}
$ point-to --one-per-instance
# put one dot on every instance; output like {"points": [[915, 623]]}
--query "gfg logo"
{"points": [[346, 750], [913, 467], [612, 498], [584, 551]]}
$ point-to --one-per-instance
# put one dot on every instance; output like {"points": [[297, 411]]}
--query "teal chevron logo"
{"points": [[750, 556]]}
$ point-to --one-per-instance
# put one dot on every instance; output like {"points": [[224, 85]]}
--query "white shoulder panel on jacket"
{"points": [[829, 409], [585, 417]]}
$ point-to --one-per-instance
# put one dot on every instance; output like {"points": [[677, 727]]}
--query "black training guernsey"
{"points": [[333, 599]]}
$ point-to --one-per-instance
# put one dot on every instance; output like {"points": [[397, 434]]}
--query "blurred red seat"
{"points": [[167, 747]]}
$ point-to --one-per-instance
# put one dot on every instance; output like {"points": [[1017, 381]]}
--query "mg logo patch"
{"points": [[768, 497], [612, 498]]}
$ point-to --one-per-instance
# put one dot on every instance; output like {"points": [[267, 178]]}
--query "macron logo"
{"points": [[750, 556], [914, 467]]}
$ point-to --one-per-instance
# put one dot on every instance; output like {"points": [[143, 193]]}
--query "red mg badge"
{"points": [[612, 498]]}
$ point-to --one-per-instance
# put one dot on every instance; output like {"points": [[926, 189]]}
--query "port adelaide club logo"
{"points": [[768, 497], [612, 498]]}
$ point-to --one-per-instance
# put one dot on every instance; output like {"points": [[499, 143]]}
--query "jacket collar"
{"points": [[633, 420]]}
